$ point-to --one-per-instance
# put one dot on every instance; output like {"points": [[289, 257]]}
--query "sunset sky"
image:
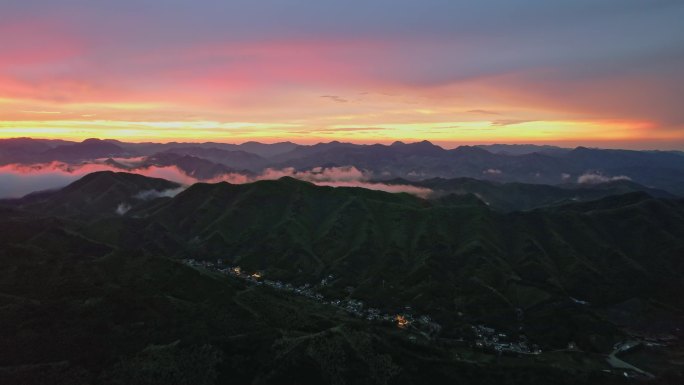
{"points": [[604, 73]]}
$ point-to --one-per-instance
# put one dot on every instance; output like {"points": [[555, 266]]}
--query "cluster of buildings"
{"points": [[405, 320], [489, 339], [485, 338]]}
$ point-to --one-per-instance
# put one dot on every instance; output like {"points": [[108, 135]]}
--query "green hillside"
{"points": [[105, 298], [515, 271], [99, 194], [524, 196]]}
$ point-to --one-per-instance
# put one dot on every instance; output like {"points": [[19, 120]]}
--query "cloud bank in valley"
{"points": [[348, 176], [154, 194], [595, 178], [492, 171], [18, 180]]}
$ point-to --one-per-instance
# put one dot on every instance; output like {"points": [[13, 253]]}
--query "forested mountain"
{"points": [[114, 288]]}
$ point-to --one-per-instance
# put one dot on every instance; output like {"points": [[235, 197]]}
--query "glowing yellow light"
{"points": [[402, 322]]}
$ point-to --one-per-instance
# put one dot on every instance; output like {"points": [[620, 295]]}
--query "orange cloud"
{"points": [[58, 82]]}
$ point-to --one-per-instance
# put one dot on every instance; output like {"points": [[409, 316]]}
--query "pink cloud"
{"points": [[37, 42], [347, 176], [18, 180]]}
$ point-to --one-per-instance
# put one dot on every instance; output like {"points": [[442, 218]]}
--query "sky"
{"points": [[606, 73]]}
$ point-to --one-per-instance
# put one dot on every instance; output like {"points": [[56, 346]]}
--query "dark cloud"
{"points": [[510, 122], [348, 129], [483, 112], [335, 98]]}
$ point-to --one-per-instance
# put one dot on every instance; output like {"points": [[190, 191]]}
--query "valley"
{"points": [[299, 274]]}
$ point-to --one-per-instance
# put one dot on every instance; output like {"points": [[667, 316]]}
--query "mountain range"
{"points": [[572, 276], [530, 164]]}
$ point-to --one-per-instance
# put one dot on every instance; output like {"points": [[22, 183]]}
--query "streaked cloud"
{"points": [[335, 98], [389, 63]]}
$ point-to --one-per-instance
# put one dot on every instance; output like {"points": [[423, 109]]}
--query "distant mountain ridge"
{"points": [[412, 161], [516, 196], [521, 149]]}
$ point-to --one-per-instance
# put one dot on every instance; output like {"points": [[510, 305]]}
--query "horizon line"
{"points": [[447, 145]]}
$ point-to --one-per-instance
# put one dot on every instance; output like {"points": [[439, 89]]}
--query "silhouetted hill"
{"points": [[99, 194], [267, 150], [21, 150], [26, 150], [424, 148], [522, 149], [233, 159], [192, 166], [88, 149], [261, 149], [307, 151], [663, 170], [658, 169]]}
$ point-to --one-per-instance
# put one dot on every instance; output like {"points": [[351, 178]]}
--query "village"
{"points": [[492, 340], [487, 338]]}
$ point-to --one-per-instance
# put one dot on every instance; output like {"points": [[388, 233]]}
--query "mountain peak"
{"points": [[424, 147], [470, 150], [93, 140]]}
